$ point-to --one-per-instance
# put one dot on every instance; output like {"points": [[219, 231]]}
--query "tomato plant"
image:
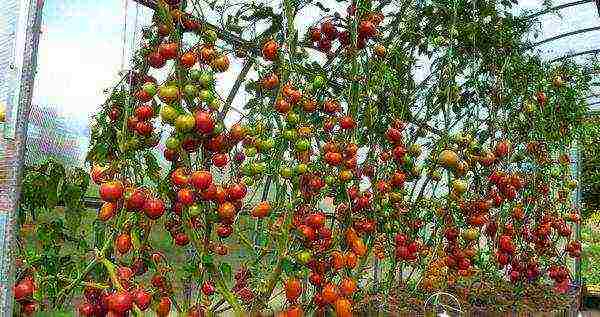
{"points": [[345, 183]]}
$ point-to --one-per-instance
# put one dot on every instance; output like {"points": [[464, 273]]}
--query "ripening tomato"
{"points": [[293, 289], [107, 211], [123, 243], [120, 302], [142, 299], [347, 123], [201, 180], [168, 50], [154, 208], [226, 210], [329, 293], [181, 239], [208, 288], [224, 230], [347, 287], [237, 191], [270, 81], [155, 60], [315, 34], [337, 260], [261, 210], [189, 59], [86, 309], [366, 29], [164, 307], [24, 289], [186, 196], [111, 191], [270, 50], [220, 160], [351, 260]]}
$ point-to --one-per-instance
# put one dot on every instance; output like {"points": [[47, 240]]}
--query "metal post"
{"points": [[12, 146]]}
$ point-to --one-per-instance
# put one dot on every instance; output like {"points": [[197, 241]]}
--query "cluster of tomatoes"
{"points": [[406, 250], [23, 294], [121, 302], [331, 30]]}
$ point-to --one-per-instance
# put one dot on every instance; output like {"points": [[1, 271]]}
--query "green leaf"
{"points": [[207, 259], [225, 269], [287, 266]]}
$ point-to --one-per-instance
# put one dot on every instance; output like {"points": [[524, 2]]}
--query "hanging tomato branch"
{"points": [[346, 184]]}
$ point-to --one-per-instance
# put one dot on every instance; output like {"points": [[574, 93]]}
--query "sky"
{"points": [[81, 49]]}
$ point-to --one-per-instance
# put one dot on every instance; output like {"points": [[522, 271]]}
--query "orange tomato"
{"points": [[343, 308], [329, 293], [351, 260], [337, 260], [261, 210], [347, 286]]}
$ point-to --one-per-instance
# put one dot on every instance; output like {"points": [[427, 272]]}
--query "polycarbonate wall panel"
{"points": [[80, 55]]}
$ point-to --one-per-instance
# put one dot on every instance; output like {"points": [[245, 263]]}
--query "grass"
{"points": [[590, 257]]}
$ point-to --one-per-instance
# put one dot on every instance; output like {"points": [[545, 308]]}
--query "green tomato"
{"points": [[304, 256], [206, 79], [195, 74], [219, 127], [194, 210], [302, 145], [190, 90], [150, 88], [318, 82], [247, 170], [293, 118], [249, 181], [330, 180], [185, 123], [206, 95], [286, 172], [210, 36], [290, 134], [215, 104], [172, 143], [250, 151], [266, 145], [250, 130], [168, 114], [555, 171], [259, 167], [167, 93], [301, 168]]}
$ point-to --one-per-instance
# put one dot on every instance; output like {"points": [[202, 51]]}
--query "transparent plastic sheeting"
{"points": [[14, 15]]}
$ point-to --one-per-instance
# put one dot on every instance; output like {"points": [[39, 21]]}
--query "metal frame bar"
{"points": [[594, 51], [559, 7], [550, 39], [226, 36], [13, 160]]}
